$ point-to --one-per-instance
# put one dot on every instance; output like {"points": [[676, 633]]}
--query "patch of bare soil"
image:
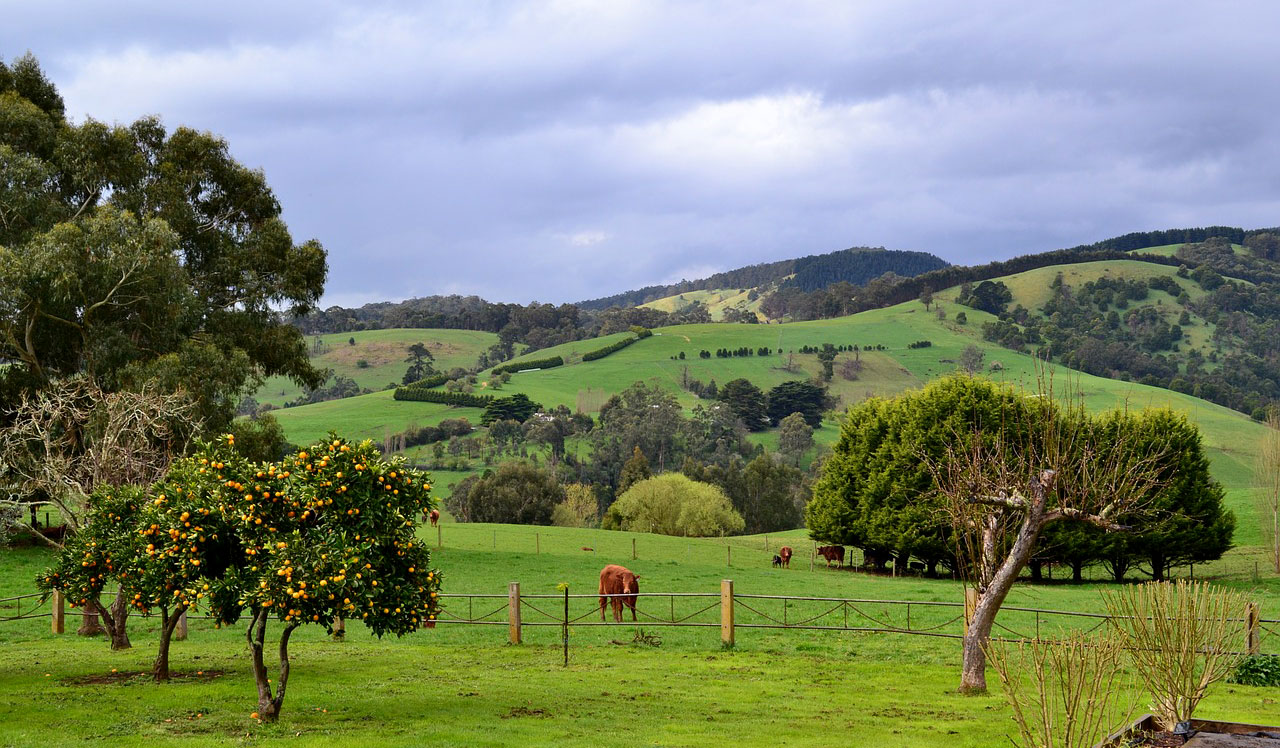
{"points": [[127, 675], [524, 711]]}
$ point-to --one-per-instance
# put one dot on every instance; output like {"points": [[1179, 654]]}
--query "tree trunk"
{"points": [[1157, 566], [89, 625], [115, 620], [168, 622], [268, 704], [973, 673], [1036, 567], [1077, 571]]}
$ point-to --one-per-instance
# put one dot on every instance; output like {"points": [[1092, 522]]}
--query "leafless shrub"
{"points": [[1182, 637], [1069, 693]]}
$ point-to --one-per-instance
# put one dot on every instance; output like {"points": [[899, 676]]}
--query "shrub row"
{"points": [[426, 383], [540, 363], [920, 344], [613, 348], [458, 399]]}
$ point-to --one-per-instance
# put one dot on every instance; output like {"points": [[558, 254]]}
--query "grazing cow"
{"points": [[784, 553], [777, 560], [435, 517], [832, 553], [618, 580]]}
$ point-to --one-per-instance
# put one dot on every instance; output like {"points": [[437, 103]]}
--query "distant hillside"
{"points": [[856, 265]]}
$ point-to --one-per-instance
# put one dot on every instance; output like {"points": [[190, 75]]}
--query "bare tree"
{"points": [[67, 440], [1003, 483], [971, 359], [1267, 472]]}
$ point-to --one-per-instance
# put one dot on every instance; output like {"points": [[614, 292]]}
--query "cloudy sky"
{"points": [[566, 150]]}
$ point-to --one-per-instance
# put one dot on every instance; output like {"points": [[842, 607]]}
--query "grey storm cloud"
{"points": [[566, 150]]}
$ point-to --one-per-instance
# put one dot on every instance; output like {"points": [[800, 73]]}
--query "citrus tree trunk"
{"points": [[269, 704], [115, 620], [168, 623]]}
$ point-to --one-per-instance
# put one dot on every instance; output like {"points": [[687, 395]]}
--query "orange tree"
{"points": [[327, 533], [105, 549]]}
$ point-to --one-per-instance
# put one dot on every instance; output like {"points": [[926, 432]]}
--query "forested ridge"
{"points": [[1140, 330]]}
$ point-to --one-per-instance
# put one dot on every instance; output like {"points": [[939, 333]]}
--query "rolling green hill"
{"points": [[384, 351]]}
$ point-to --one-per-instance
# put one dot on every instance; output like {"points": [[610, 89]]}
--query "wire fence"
{"points": [[931, 618], [729, 611]]}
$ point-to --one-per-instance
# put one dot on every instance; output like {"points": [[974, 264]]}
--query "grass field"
{"points": [[463, 685], [385, 352], [715, 301]]}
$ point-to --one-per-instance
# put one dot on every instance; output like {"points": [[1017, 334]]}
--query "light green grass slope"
{"points": [[385, 351]]}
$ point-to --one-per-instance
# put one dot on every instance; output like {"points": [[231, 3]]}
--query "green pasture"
{"points": [[465, 685], [373, 416], [385, 352]]}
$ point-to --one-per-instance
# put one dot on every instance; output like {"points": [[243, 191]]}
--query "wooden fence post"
{"points": [[439, 537], [970, 605], [729, 548], [180, 632], [537, 543], [1251, 625], [726, 612], [633, 549], [59, 613], [513, 612]]}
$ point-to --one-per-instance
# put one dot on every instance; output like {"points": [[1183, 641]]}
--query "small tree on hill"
{"points": [[795, 437], [747, 402], [421, 363], [634, 470], [797, 396], [971, 359]]}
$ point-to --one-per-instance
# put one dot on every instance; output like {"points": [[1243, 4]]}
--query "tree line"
{"points": [[880, 489]]}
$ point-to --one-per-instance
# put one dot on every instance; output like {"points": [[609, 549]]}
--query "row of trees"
{"points": [[879, 491]]}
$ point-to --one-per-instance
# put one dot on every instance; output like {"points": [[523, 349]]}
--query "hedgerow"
{"points": [[457, 399], [541, 363]]}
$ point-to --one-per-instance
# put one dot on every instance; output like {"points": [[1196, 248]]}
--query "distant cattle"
{"points": [[435, 517], [832, 553], [777, 560], [785, 554], [618, 580], [588, 548]]}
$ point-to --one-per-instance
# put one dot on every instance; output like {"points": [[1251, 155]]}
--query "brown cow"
{"points": [[832, 553], [784, 553], [435, 517], [618, 580]]}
